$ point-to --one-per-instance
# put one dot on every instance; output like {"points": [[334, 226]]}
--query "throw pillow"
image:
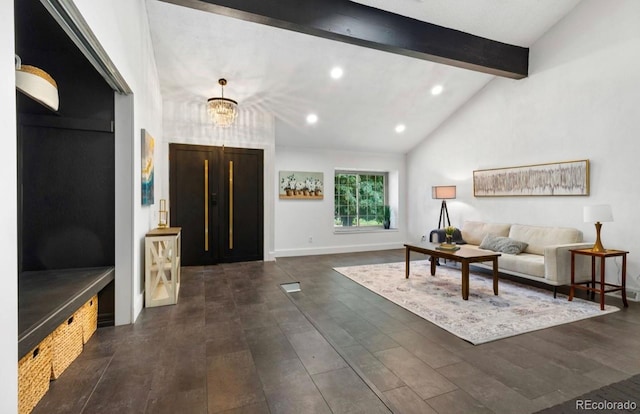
{"points": [[502, 244]]}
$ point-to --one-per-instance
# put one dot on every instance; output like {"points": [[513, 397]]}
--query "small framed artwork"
{"points": [[300, 185], [567, 178], [148, 145]]}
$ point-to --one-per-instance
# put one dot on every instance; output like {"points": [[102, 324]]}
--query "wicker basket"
{"points": [[34, 370], [88, 316], [66, 345]]}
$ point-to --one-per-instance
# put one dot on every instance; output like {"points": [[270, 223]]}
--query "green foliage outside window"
{"points": [[359, 199]]}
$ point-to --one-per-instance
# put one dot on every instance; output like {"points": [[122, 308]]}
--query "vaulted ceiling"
{"points": [[287, 73]]}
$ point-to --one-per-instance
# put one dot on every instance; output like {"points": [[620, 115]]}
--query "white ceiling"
{"points": [[287, 73]]}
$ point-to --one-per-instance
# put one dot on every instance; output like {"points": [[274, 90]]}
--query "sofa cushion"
{"points": [[538, 237], [473, 232], [502, 244], [525, 263]]}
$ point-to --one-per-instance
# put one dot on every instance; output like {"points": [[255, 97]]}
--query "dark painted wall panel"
{"points": [[68, 198], [66, 159]]}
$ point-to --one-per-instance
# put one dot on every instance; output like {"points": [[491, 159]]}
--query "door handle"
{"points": [[206, 205], [214, 199], [230, 205]]}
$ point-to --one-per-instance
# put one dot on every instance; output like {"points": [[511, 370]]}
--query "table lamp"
{"points": [[443, 192], [597, 214], [163, 215]]}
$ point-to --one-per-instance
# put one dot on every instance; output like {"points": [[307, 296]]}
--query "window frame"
{"points": [[358, 173]]}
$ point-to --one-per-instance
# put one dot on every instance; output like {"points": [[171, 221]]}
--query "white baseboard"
{"points": [[138, 304], [312, 251], [632, 295]]}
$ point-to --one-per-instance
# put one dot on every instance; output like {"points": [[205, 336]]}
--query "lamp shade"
{"points": [[37, 84], [598, 213], [442, 192]]}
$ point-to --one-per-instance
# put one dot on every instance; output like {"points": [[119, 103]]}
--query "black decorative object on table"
{"points": [[386, 221], [438, 236]]}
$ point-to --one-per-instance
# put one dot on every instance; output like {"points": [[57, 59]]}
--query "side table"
{"points": [[591, 284], [162, 266]]}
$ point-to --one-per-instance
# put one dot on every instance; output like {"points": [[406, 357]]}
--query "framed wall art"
{"points": [[148, 145], [300, 185], [567, 178]]}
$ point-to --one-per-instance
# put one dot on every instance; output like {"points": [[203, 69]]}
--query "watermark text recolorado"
{"points": [[605, 405]]}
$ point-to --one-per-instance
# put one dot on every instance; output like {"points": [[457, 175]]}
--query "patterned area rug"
{"points": [[484, 317]]}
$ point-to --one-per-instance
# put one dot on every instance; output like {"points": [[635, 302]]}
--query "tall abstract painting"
{"points": [[148, 144]]}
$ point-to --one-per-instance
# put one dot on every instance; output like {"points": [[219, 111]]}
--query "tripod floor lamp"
{"points": [[444, 193]]}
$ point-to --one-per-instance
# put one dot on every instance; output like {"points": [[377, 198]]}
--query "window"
{"points": [[359, 198]]}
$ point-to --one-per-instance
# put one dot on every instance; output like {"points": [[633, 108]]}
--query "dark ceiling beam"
{"points": [[354, 23]]}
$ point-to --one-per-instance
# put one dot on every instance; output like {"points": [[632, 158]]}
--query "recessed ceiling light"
{"points": [[400, 128], [336, 73], [436, 90], [312, 118]]}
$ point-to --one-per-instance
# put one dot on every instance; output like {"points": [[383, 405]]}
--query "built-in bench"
{"points": [[47, 298]]}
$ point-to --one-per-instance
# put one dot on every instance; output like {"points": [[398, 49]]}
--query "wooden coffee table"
{"points": [[465, 256]]}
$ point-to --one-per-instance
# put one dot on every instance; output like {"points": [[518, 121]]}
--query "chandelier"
{"points": [[223, 111]]}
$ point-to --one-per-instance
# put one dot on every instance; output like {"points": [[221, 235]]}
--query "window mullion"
{"points": [[357, 200]]}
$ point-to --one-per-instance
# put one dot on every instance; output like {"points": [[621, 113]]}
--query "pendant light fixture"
{"points": [[223, 111]]}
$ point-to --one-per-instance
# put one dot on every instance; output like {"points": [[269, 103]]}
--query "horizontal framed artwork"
{"points": [[300, 185], [567, 178]]}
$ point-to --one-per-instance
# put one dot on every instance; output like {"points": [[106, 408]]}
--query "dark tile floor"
{"points": [[236, 343], [619, 397]]}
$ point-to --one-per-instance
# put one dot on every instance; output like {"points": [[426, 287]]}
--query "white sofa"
{"points": [[546, 257]]}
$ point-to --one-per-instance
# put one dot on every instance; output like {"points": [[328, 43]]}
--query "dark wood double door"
{"points": [[216, 196]]}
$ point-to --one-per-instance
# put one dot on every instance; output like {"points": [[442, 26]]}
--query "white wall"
{"points": [[189, 123], [580, 101], [298, 220], [8, 215], [122, 28]]}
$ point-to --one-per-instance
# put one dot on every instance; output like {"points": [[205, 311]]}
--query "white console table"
{"points": [[162, 266]]}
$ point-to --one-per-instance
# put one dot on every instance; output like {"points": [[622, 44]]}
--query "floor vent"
{"points": [[291, 287]]}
